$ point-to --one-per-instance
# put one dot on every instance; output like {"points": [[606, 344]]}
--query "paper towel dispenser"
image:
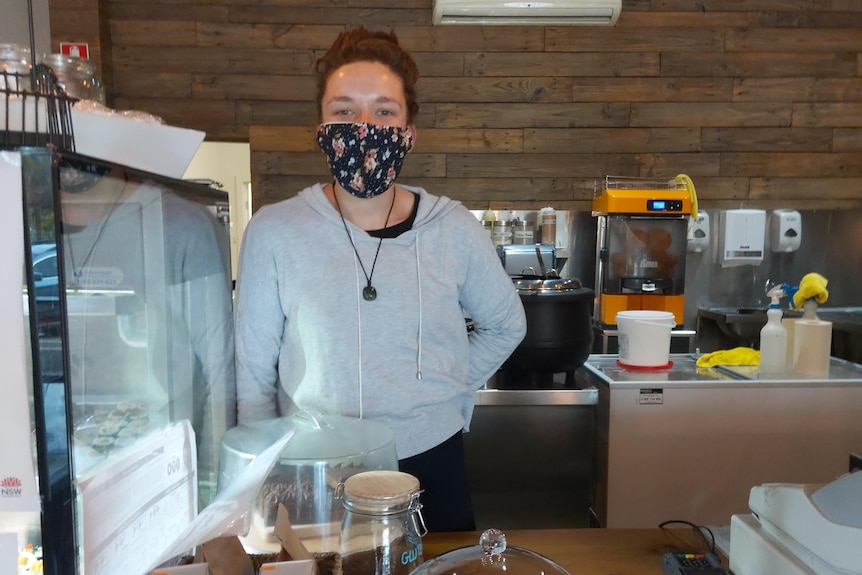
{"points": [[741, 238]]}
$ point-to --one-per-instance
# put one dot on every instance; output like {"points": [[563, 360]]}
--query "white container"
{"points": [[773, 343], [502, 233], [812, 345], [644, 337], [15, 62], [548, 220], [78, 77], [523, 232]]}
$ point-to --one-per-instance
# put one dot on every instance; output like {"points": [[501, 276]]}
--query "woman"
{"points": [[352, 295]]}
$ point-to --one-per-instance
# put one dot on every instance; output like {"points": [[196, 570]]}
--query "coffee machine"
{"points": [[641, 246]]}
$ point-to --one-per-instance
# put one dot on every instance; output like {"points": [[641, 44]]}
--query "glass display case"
{"points": [[128, 329]]}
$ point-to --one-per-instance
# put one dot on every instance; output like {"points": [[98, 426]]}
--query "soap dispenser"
{"points": [[773, 336], [785, 231]]}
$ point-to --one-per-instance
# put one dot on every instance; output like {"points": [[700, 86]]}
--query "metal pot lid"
{"points": [[545, 285]]}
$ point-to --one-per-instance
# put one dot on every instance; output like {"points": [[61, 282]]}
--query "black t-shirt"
{"points": [[399, 228]]}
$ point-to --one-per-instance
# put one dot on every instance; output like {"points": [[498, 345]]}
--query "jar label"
{"points": [[411, 555], [524, 236]]}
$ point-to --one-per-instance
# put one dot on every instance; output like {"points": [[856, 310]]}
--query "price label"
{"points": [[651, 396]]}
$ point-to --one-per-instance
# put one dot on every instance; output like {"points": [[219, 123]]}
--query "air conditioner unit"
{"points": [[549, 13]]}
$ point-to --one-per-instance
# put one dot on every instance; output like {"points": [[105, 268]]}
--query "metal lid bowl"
{"points": [[534, 285]]}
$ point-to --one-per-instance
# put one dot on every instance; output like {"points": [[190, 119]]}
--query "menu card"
{"points": [[138, 501]]}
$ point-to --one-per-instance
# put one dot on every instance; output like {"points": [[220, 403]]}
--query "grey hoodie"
{"points": [[306, 338]]}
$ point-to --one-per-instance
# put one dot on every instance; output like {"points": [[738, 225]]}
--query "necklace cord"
{"points": [[353, 245], [103, 222]]}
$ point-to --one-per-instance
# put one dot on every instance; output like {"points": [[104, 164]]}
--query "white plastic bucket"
{"points": [[644, 337]]}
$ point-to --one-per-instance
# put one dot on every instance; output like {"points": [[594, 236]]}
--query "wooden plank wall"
{"points": [[759, 101]]}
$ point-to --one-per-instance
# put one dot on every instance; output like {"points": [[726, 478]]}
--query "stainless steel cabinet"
{"points": [[530, 457]]}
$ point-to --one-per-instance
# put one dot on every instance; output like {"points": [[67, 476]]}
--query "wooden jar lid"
{"points": [[386, 487]]}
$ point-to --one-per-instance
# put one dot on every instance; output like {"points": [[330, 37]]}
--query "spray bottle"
{"points": [[773, 336]]}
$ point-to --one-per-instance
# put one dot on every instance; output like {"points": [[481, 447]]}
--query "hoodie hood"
{"points": [[431, 209]]}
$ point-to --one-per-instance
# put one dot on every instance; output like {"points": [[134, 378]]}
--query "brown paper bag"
{"points": [[292, 548], [225, 556]]}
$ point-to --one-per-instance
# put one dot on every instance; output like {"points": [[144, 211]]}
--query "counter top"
{"points": [[604, 369], [587, 551]]}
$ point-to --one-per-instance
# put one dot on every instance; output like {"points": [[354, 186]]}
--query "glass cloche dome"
{"points": [[491, 556]]}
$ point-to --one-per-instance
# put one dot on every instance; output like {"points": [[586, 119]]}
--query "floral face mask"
{"points": [[365, 158]]}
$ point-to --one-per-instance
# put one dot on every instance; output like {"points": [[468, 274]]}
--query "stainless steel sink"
{"points": [[740, 323], [843, 318], [742, 326]]}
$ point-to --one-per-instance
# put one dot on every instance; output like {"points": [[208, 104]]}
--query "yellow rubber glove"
{"points": [[689, 185], [812, 286], [735, 356]]}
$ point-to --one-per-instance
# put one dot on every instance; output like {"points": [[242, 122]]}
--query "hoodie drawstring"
{"points": [[359, 321], [419, 335], [358, 326]]}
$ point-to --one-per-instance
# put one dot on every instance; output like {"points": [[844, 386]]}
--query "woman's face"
{"points": [[368, 92]]}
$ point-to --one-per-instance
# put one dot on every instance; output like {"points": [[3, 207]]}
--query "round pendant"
{"points": [[369, 293]]}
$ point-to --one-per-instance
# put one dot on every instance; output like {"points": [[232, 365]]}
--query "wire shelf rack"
{"points": [[35, 111]]}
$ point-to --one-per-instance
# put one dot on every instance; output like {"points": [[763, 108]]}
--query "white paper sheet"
{"points": [[17, 476], [138, 501], [224, 515]]}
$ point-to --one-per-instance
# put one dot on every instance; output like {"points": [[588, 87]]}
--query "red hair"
{"points": [[362, 45]]}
